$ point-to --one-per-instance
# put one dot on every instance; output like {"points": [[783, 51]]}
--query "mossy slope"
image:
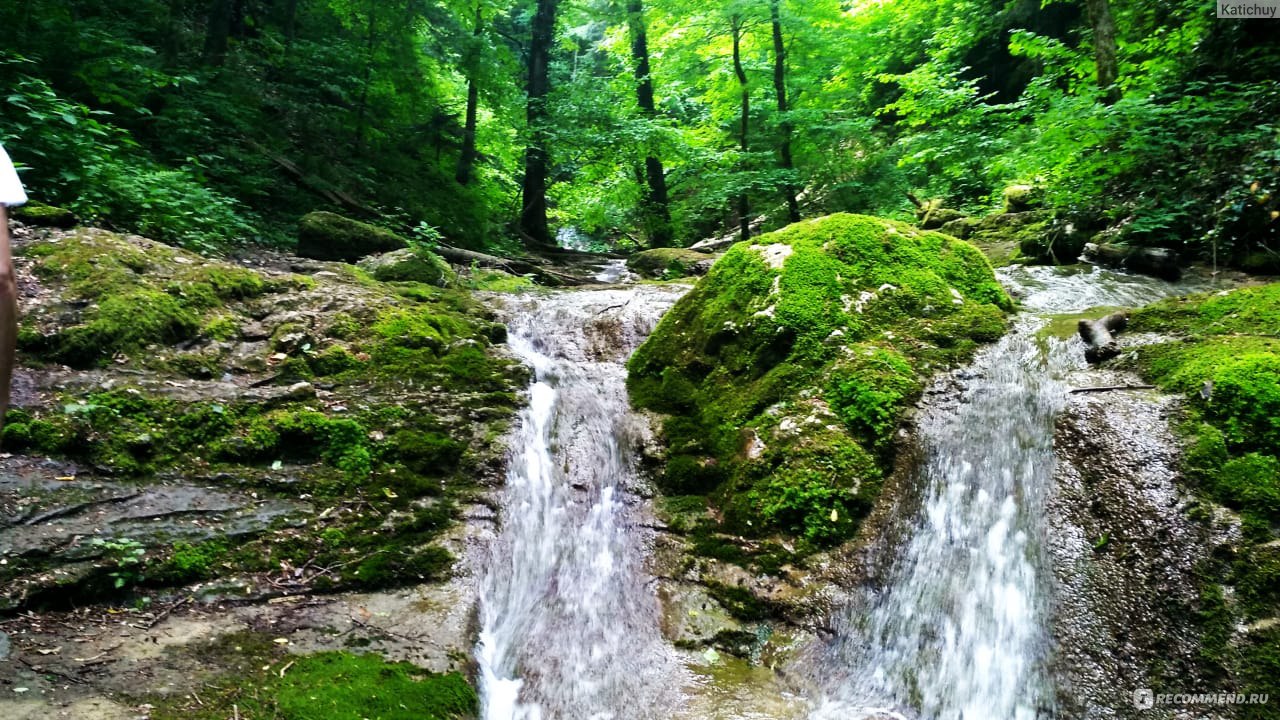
{"points": [[378, 402], [785, 372], [1226, 360]]}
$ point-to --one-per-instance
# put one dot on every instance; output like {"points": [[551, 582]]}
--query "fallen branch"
{"points": [[1098, 335], [1108, 388], [459, 256]]}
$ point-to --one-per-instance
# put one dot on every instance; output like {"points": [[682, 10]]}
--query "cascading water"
{"points": [[568, 626], [959, 628]]}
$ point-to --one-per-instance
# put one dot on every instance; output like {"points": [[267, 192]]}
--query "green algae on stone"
{"points": [[785, 372]]}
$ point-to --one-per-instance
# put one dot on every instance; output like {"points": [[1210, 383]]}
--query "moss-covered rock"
{"points": [[1021, 198], [42, 215], [409, 265], [255, 677], [406, 392], [1029, 236], [1226, 360], [785, 372], [329, 236], [669, 263]]}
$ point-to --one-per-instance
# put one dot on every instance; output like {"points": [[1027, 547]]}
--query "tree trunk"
{"points": [[289, 23], [780, 89], [744, 200], [1104, 48], [533, 215], [218, 32], [657, 209], [172, 44], [468, 158], [363, 105]]}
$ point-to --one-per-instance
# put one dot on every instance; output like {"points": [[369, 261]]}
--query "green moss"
{"points": [[1227, 362], [328, 236], [125, 323], [134, 295], [333, 360], [845, 315], [323, 686], [498, 281], [221, 327], [409, 265], [739, 602], [34, 213], [1249, 311], [668, 263]]}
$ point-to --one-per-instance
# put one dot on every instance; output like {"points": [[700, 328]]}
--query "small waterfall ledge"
{"points": [[568, 620]]}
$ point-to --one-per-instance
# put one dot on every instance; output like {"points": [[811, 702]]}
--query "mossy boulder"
{"points": [[1021, 198], [785, 372], [1263, 262], [409, 265], [35, 213], [329, 236], [668, 263], [1025, 236], [185, 368], [960, 227]]}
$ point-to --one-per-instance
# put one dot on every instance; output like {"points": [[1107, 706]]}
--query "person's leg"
{"points": [[8, 314]]}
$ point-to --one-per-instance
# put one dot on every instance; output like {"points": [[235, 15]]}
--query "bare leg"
{"points": [[8, 314]]}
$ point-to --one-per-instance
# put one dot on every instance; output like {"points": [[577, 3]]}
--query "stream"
{"points": [[569, 624], [955, 623]]}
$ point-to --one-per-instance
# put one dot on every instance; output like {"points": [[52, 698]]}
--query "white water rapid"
{"points": [[957, 629], [569, 624]]}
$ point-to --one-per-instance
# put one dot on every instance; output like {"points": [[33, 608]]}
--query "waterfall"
{"points": [[957, 629], [954, 625], [568, 621]]}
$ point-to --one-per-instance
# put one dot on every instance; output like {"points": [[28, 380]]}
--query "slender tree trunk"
{"points": [[289, 23], [468, 158], [363, 104], [172, 45], [780, 89], [533, 215], [744, 200], [1104, 48], [218, 32], [657, 209]]}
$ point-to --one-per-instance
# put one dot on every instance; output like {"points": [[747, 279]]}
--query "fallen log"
{"points": [[459, 256], [1099, 337], [1157, 262]]}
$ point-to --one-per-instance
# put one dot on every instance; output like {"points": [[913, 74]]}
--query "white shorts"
{"points": [[11, 192]]}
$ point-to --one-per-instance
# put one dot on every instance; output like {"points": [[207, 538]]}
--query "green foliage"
{"points": [[786, 370], [125, 557]]}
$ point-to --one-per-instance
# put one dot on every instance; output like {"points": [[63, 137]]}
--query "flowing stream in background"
{"points": [[569, 628], [959, 627]]}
